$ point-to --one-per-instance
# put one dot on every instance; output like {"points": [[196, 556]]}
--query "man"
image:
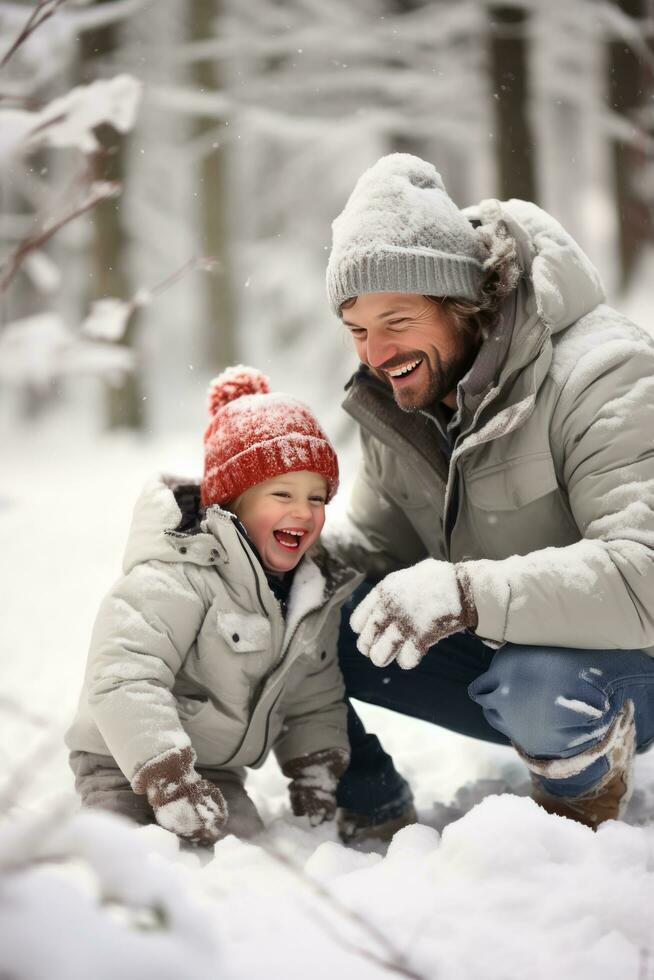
{"points": [[506, 493]]}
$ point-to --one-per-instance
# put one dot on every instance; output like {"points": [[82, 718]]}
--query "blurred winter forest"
{"points": [[170, 171]]}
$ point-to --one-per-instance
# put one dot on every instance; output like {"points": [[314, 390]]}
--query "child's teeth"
{"points": [[283, 537]]}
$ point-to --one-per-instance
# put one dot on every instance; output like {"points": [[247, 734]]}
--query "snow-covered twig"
{"points": [[23, 775], [20, 848], [43, 10], [71, 119], [41, 348], [405, 35], [15, 707], [91, 17], [393, 960], [14, 100], [99, 191], [205, 263], [629, 30], [18, 851], [109, 316]]}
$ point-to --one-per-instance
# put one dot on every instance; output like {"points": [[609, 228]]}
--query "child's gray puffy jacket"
{"points": [[190, 647]]}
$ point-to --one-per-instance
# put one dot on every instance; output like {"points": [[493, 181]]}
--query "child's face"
{"points": [[283, 516]]}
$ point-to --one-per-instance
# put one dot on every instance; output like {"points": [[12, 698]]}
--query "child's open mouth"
{"points": [[289, 539]]}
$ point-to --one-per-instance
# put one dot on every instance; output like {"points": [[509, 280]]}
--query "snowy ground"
{"points": [[487, 885]]}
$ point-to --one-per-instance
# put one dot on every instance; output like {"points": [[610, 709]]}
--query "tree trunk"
{"points": [[509, 78], [628, 79], [219, 346], [108, 274]]}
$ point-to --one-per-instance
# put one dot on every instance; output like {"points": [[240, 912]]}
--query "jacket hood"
{"points": [[565, 283], [166, 525]]}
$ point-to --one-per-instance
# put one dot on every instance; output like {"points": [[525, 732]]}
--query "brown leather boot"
{"points": [[355, 827], [591, 810], [608, 799]]}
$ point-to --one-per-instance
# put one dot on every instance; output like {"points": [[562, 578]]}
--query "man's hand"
{"points": [[314, 779], [410, 610], [183, 802]]}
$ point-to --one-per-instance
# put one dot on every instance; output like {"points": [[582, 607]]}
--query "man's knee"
{"points": [[546, 701]]}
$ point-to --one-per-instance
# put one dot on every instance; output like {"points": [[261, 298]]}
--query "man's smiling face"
{"points": [[410, 343]]}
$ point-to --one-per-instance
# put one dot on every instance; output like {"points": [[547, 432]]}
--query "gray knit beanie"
{"points": [[400, 233]]}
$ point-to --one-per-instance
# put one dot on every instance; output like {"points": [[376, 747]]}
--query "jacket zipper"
{"points": [[274, 704], [308, 613], [285, 650], [266, 731], [256, 577]]}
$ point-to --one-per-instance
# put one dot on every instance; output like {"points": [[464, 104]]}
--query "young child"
{"points": [[219, 641]]}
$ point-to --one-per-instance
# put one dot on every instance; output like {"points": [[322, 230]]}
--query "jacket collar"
{"points": [[169, 525], [509, 368], [371, 404], [559, 285]]}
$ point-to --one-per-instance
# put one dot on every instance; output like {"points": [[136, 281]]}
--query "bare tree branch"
{"points": [[8, 703], [109, 316], [42, 12], [12, 100], [206, 263], [99, 192], [394, 961], [22, 775]]}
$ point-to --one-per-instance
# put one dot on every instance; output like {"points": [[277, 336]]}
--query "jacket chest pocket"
{"points": [[244, 632], [518, 507], [407, 489], [237, 654]]}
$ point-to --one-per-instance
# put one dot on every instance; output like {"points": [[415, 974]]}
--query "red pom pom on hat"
{"points": [[254, 435], [234, 382]]}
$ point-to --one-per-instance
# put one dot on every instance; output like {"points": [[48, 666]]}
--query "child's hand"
{"points": [[183, 802], [314, 779]]}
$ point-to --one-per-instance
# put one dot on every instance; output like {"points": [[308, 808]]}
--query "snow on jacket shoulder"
{"points": [[549, 493], [190, 647]]}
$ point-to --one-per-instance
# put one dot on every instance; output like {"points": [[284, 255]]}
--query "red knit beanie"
{"points": [[254, 435]]}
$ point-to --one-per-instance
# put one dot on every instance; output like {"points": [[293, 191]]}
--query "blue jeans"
{"points": [[553, 703]]}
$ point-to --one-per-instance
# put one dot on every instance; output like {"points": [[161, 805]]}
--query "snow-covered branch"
{"points": [[61, 868], [43, 10], [358, 33], [109, 317], [41, 348], [390, 959], [69, 121], [98, 191], [78, 17]]}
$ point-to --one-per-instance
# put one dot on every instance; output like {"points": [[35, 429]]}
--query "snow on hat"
{"points": [[400, 233], [254, 435]]}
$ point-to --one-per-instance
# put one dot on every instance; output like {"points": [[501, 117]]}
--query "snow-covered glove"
{"points": [[314, 779], [182, 800], [410, 610]]}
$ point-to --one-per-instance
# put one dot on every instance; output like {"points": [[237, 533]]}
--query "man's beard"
{"points": [[442, 376]]}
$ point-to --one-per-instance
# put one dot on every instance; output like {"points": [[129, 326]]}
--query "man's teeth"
{"points": [[399, 372]]}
